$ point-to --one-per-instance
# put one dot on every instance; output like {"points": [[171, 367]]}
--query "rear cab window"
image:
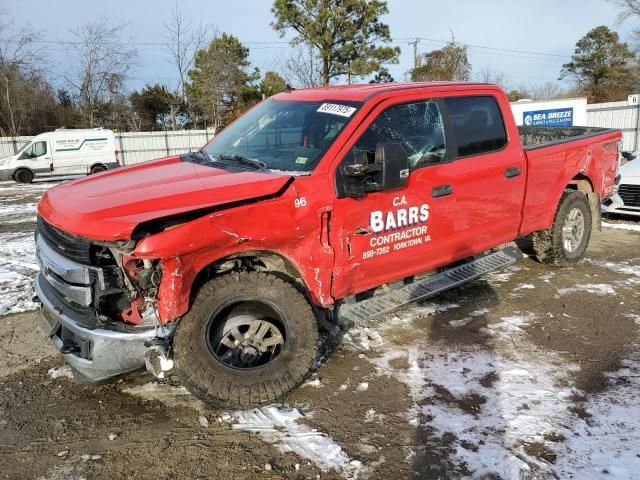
{"points": [[476, 125]]}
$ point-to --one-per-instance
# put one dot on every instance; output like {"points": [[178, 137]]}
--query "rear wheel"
{"points": [[567, 240], [23, 176], [248, 339]]}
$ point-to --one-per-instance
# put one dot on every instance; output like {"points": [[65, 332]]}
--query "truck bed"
{"points": [[558, 156], [538, 137]]}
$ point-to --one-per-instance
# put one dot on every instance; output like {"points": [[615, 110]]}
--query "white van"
{"points": [[62, 152]]}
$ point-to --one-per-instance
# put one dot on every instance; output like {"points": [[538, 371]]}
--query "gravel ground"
{"points": [[532, 373]]}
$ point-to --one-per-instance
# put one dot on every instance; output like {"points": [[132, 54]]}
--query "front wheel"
{"points": [[248, 339], [567, 240], [23, 176]]}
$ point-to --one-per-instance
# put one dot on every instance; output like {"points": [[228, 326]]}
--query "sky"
{"points": [[528, 41]]}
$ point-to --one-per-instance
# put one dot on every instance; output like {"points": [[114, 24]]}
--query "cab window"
{"points": [[35, 150], [477, 125], [417, 126]]}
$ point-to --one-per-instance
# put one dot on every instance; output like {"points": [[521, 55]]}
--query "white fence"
{"points": [[135, 147], [620, 115]]}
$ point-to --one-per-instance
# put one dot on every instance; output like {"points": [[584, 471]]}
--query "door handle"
{"points": [[512, 172], [441, 191]]}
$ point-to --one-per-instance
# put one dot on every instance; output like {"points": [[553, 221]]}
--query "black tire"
{"points": [[218, 381], [23, 176], [97, 169], [552, 246]]}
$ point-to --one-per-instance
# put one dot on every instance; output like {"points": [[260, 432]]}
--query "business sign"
{"points": [[557, 117]]}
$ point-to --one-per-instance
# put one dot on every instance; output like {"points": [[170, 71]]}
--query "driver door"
{"points": [[387, 235], [37, 157]]}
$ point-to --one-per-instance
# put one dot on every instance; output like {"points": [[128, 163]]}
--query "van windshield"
{"points": [[23, 148], [282, 135]]}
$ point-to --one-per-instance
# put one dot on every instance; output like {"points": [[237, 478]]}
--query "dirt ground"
{"points": [[529, 373]]}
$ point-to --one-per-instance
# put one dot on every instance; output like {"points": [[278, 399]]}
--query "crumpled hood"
{"points": [[109, 205]]}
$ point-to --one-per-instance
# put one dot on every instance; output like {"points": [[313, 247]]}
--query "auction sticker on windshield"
{"points": [[336, 109]]}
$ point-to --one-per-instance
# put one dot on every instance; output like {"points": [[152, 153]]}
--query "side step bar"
{"points": [[352, 313]]}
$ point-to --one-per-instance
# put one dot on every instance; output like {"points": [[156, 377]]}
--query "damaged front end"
{"points": [[99, 305]]}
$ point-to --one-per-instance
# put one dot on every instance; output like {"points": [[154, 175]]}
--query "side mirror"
{"points": [[394, 161]]}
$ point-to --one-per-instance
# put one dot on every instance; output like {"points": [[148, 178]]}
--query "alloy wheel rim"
{"points": [[247, 341], [573, 230]]}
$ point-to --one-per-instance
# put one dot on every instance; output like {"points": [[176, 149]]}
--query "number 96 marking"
{"points": [[300, 202]]}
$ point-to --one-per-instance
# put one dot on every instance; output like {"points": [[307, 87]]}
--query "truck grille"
{"points": [[74, 248], [630, 195]]}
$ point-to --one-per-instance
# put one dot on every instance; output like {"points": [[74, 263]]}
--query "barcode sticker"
{"points": [[336, 109]]}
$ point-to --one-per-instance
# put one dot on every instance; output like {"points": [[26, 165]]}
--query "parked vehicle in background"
{"points": [[317, 207], [62, 152], [626, 198]]}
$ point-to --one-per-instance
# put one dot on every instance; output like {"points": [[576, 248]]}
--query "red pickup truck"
{"points": [[228, 264]]}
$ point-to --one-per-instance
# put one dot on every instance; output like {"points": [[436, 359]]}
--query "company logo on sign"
{"points": [[557, 117]]}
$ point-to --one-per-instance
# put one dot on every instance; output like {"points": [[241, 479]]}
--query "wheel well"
{"points": [[98, 165], [251, 261], [581, 183], [13, 175]]}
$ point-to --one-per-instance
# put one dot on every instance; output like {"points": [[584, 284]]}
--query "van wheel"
{"points": [[248, 339], [23, 176], [97, 169], [567, 240]]}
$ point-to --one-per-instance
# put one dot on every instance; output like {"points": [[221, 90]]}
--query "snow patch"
{"points": [[63, 371], [362, 338], [281, 427], [622, 226], [275, 424], [17, 268], [461, 323], [312, 383], [594, 288], [523, 286]]}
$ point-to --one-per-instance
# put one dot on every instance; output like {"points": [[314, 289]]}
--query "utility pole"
{"points": [[415, 52]]}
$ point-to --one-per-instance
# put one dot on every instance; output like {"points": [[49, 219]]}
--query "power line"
{"points": [[486, 47], [273, 44]]}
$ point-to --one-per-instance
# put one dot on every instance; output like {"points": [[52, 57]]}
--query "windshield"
{"points": [[23, 148], [289, 136]]}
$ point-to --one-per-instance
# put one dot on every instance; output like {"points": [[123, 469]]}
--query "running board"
{"points": [[353, 313]]}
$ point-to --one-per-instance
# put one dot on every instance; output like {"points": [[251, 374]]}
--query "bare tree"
{"points": [[546, 91], [183, 41], [628, 9], [104, 59], [303, 68], [20, 63], [488, 74]]}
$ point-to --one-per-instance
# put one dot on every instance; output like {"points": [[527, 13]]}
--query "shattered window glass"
{"points": [[417, 126]]}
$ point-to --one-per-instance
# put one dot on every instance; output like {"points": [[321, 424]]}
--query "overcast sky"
{"points": [[546, 30]]}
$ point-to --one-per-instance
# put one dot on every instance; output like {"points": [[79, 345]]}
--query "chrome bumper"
{"points": [[100, 353], [615, 205]]}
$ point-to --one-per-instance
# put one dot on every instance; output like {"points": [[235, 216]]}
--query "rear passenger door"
{"points": [[487, 175]]}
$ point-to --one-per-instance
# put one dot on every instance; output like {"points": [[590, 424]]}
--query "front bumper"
{"points": [[614, 204], [6, 174], [98, 353]]}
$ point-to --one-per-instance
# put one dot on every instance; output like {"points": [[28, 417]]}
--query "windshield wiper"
{"points": [[258, 164]]}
